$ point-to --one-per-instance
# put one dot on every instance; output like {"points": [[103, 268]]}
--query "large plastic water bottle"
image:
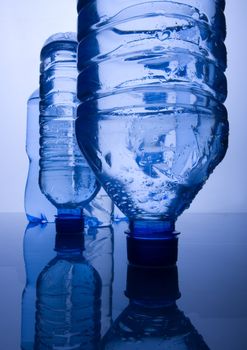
{"points": [[68, 299], [65, 177], [151, 120], [37, 207]]}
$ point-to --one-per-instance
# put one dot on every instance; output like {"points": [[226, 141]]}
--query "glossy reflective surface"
{"points": [[211, 278]]}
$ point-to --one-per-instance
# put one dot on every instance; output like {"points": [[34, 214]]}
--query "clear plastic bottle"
{"points": [[65, 177], [152, 123], [37, 207], [68, 299], [152, 320]]}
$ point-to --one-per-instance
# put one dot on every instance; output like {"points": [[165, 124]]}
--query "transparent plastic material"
{"points": [[99, 211], [151, 82], [118, 215], [65, 177], [37, 207]]}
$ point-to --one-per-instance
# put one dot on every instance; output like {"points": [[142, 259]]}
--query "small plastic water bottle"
{"points": [[65, 176], [37, 207]]}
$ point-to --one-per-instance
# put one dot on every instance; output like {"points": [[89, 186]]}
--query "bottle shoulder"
{"points": [[34, 95], [67, 36]]}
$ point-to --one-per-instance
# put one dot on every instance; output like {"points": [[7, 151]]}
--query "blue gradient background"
{"points": [[25, 25]]}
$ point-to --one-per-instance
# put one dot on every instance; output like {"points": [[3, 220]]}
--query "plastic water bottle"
{"points": [[38, 250], [68, 299], [152, 320], [65, 177], [152, 123], [37, 207]]}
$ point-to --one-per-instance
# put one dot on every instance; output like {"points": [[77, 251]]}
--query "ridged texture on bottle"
{"points": [[65, 177], [152, 86], [37, 206]]}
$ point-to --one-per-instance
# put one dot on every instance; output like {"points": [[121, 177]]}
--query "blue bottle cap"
{"points": [[69, 224]]}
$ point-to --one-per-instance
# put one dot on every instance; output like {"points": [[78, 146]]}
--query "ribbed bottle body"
{"points": [[65, 177], [151, 84], [37, 206]]}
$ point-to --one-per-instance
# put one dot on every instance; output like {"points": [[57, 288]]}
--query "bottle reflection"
{"points": [[74, 289], [152, 319], [38, 249], [68, 298], [99, 252]]}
